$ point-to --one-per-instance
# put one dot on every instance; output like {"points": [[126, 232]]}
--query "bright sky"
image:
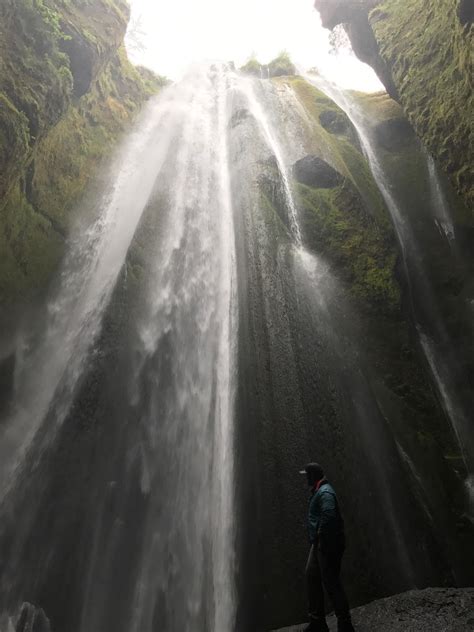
{"points": [[177, 33]]}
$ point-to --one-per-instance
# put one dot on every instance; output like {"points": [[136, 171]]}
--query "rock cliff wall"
{"points": [[422, 52], [67, 91]]}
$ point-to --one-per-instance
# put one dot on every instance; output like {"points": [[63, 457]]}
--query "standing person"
{"points": [[326, 535]]}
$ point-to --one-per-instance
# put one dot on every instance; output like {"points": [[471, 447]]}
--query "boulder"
{"points": [[32, 619], [316, 172], [466, 12], [334, 121]]}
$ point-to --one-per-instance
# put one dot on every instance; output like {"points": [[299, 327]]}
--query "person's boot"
{"points": [[316, 625], [345, 625]]}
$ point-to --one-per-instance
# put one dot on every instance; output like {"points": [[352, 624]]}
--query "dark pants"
{"points": [[324, 568]]}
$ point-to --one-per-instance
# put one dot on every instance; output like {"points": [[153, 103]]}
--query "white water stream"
{"points": [[48, 373], [246, 86], [181, 378], [442, 216], [185, 576], [412, 260]]}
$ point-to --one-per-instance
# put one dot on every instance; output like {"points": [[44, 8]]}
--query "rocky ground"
{"points": [[430, 610]]}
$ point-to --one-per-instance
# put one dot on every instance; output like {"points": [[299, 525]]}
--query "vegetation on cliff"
{"points": [[281, 66], [252, 67], [429, 52], [422, 51], [347, 223], [67, 91]]}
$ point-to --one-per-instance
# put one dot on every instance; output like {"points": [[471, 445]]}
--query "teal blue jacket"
{"points": [[324, 517]]}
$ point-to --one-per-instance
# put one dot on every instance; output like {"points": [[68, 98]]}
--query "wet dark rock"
{"points": [[355, 18], [394, 134], [89, 49], [367, 49], [82, 63], [334, 122], [32, 619], [466, 12], [240, 115], [316, 172], [334, 12], [430, 610], [7, 370]]}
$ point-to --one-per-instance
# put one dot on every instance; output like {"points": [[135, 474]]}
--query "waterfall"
{"points": [[192, 355], [435, 340], [187, 449], [47, 374], [256, 110], [173, 434]]}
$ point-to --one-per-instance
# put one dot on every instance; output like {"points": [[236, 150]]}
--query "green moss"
{"points": [[406, 162], [72, 152], [14, 142], [51, 148], [430, 56], [350, 224], [362, 178], [341, 150], [34, 73], [281, 66], [315, 101], [337, 226], [30, 247], [252, 67]]}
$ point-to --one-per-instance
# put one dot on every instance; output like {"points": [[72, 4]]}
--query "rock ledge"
{"points": [[429, 610]]}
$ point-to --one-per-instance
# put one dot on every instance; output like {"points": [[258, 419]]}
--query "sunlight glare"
{"points": [[169, 37]]}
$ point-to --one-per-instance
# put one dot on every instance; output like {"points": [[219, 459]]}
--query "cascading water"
{"points": [[263, 123], [47, 374], [170, 472], [194, 354], [437, 343], [187, 449], [302, 346], [442, 215]]}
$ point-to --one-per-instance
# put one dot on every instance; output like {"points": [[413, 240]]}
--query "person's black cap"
{"points": [[313, 469]]}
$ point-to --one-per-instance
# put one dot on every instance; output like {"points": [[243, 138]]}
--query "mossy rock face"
{"points": [[342, 214], [14, 142], [34, 73], [336, 225], [430, 55], [51, 142], [328, 117], [93, 32], [334, 122], [315, 172], [281, 66], [422, 52]]}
